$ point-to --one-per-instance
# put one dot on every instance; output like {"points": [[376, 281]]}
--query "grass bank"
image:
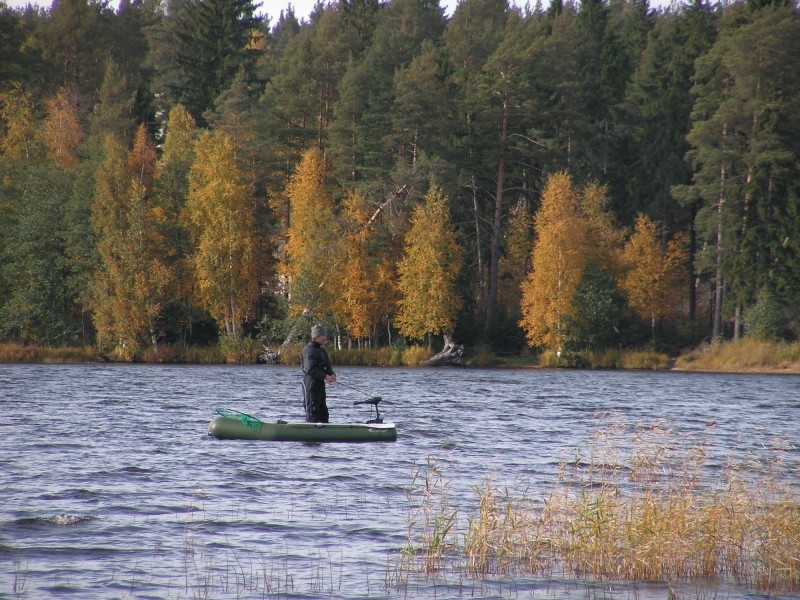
{"points": [[637, 505], [743, 356]]}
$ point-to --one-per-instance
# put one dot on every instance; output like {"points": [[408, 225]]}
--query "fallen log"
{"points": [[452, 355]]}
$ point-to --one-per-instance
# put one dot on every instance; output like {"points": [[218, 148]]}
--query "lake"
{"points": [[111, 488]]}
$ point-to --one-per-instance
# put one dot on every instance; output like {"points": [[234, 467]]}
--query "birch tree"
{"points": [[220, 212], [62, 131], [131, 282], [558, 259], [653, 281], [367, 290], [309, 256], [428, 271]]}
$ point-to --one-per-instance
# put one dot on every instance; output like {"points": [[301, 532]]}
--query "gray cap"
{"points": [[316, 331]]}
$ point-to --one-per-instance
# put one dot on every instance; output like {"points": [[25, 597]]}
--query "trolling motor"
{"points": [[374, 402]]}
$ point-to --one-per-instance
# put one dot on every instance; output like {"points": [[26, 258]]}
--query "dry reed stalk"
{"points": [[648, 516], [431, 523]]}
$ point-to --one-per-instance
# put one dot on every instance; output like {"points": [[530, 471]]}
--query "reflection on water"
{"points": [[111, 487]]}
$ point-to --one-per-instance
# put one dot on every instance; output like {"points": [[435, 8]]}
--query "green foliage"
{"points": [[765, 320], [558, 359], [239, 350], [744, 154], [203, 45], [388, 95], [38, 307], [598, 312]]}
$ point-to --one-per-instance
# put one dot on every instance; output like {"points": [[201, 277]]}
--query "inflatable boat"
{"points": [[235, 425]]}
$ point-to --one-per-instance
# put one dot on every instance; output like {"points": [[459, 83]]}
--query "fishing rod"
{"points": [[373, 400], [352, 387]]}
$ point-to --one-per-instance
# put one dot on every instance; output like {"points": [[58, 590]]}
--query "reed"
{"points": [[431, 522], [640, 505]]}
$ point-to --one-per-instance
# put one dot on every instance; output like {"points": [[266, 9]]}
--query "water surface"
{"points": [[111, 488]]}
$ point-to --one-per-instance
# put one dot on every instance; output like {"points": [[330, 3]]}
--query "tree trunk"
{"points": [[452, 355], [494, 261]]}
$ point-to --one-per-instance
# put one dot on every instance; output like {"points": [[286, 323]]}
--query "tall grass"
{"points": [[431, 522], [641, 505], [386, 356], [642, 359], [18, 353], [747, 354]]}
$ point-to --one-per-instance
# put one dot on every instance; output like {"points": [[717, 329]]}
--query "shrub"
{"points": [[764, 320]]}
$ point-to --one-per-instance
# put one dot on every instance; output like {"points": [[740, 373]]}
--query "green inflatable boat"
{"points": [[235, 425]]}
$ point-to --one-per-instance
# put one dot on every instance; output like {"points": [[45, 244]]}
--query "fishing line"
{"points": [[352, 387]]}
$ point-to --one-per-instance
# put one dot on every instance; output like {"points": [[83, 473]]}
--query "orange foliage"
{"points": [[558, 259]]}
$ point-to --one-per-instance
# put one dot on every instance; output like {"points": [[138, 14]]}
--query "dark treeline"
{"points": [[160, 164]]}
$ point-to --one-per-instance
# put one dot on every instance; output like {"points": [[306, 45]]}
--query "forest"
{"points": [[570, 177]]}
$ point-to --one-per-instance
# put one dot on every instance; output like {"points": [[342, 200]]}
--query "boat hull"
{"points": [[226, 428]]}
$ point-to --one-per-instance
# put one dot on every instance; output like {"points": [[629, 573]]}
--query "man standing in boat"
{"points": [[317, 372]]}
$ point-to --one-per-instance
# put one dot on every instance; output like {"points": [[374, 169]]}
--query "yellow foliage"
{"points": [[220, 211], [367, 277], [17, 112], [142, 158], [131, 284], [604, 237], [653, 279], [62, 130], [308, 247], [429, 269], [179, 141], [558, 259]]}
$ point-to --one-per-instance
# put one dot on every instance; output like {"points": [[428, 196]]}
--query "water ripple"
{"points": [[111, 487]]}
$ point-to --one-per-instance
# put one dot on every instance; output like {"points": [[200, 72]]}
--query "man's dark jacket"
{"points": [[316, 365]]}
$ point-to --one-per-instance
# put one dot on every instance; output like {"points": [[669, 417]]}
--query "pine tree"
{"points": [[73, 41], [366, 91], [37, 305], [744, 154], [112, 114], [203, 44], [504, 86], [421, 109]]}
